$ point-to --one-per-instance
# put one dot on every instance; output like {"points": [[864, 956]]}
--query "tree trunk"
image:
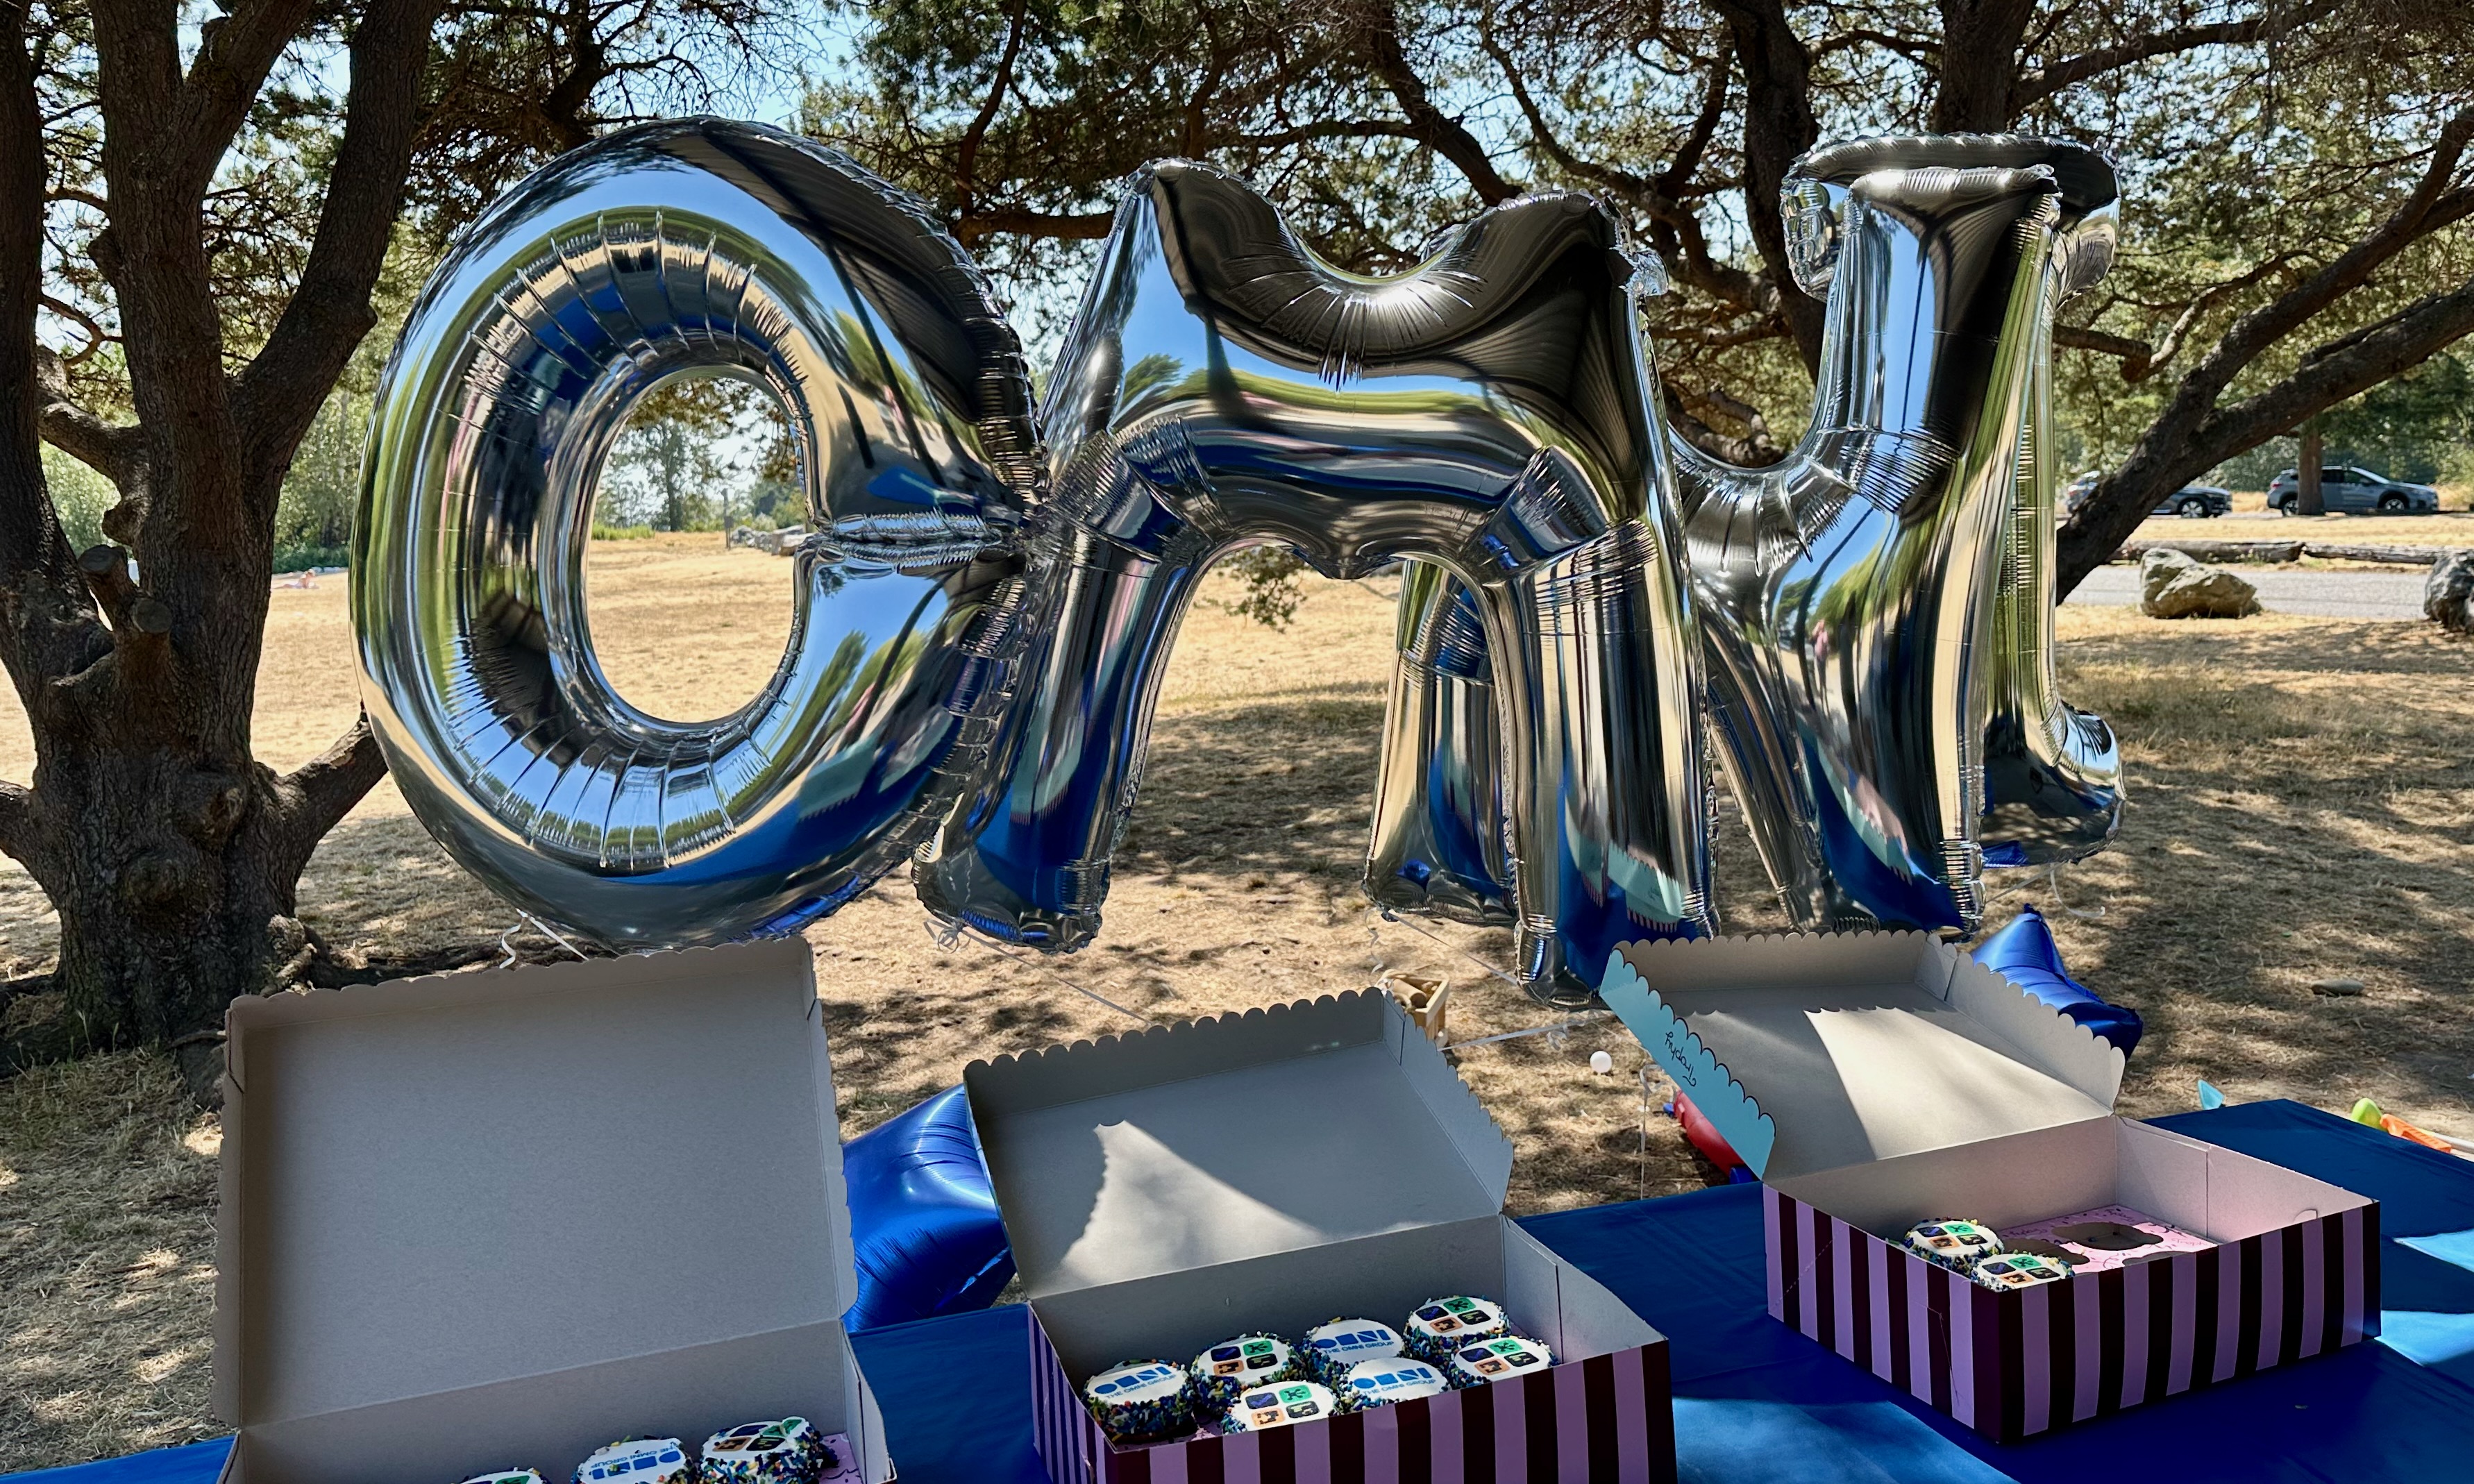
{"points": [[175, 890], [2307, 498], [1779, 125]]}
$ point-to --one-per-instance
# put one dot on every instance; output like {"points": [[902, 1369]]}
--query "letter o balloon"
{"points": [[708, 247]]}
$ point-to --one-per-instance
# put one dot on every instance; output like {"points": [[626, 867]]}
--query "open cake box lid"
{"points": [[437, 1184], [1812, 1052], [1214, 1140]]}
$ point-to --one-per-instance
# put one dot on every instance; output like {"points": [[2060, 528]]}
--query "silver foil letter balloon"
{"points": [[1487, 412], [715, 247], [1875, 612]]}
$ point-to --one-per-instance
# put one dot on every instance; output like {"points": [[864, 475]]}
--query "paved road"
{"points": [[2327, 595]]}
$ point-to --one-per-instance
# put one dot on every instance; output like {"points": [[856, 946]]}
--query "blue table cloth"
{"points": [[1757, 1403]]}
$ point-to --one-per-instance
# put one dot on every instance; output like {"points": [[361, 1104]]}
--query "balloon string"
{"points": [[1513, 1035], [1389, 916], [538, 926], [947, 934], [2053, 874]]}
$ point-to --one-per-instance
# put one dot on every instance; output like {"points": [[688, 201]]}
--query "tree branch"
{"points": [[966, 156], [1682, 242], [1428, 124], [48, 626], [2170, 452], [2135, 354], [17, 821], [1779, 125], [116, 452], [1023, 222], [319, 793], [2428, 208], [2038, 86], [278, 396], [232, 65]]}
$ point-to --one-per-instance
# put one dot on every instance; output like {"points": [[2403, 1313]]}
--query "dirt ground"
{"points": [[2303, 792]]}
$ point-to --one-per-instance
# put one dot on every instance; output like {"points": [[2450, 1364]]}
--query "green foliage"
{"points": [[78, 496], [1268, 575], [295, 558], [700, 452]]}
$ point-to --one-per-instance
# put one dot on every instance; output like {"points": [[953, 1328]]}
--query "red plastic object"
{"points": [[1698, 1133]]}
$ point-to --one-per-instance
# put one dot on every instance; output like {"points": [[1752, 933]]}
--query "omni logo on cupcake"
{"points": [[637, 1461]]}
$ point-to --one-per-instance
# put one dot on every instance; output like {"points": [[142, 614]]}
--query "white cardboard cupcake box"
{"points": [[1874, 1080], [1272, 1170], [500, 1219]]}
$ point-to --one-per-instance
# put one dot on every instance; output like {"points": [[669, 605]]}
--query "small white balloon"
{"points": [[1601, 1063]]}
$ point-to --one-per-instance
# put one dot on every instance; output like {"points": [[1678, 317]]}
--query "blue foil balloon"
{"points": [[923, 1217], [2024, 952]]}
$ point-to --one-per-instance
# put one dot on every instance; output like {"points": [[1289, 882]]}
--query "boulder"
{"points": [[2174, 585], [2448, 594]]}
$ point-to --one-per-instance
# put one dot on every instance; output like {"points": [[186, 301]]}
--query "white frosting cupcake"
{"points": [[1284, 1406], [1332, 1349], [1140, 1401], [1441, 1325], [1379, 1383], [1499, 1359], [637, 1461]]}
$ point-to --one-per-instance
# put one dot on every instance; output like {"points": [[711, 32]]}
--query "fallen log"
{"points": [[2395, 556], [2217, 550]]}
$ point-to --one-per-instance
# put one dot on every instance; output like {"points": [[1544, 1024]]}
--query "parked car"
{"points": [[2355, 489], [2192, 501]]}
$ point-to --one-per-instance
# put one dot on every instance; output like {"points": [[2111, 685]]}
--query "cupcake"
{"points": [[1247, 1362], [1332, 1349], [1379, 1383], [1441, 1325], [1140, 1401], [790, 1451], [1498, 1359], [637, 1461], [2018, 1270], [1955, 1244], [1280, 1406]]}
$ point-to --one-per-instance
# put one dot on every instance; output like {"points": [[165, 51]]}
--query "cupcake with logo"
{"points": [[1379, 1383], [1499, 1359], [639, 1461], [1331, 1348], [1439, 1327], [2018, 1270], [1141, 1400], [1953, 1244], [1247, 1362], [1261, 1408], [787, 1452]]}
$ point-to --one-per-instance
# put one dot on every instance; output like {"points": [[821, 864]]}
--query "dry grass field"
{"points": [[2303, 801]]}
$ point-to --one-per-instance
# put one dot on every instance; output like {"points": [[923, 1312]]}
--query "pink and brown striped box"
{"points": [[1270, 1171], [1875, 1081]]}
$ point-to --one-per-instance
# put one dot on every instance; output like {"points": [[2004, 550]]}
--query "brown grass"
{"points": [[2302, 798]]}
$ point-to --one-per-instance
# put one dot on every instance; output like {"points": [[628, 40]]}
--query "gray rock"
{"points": [[2448, 595], [2174, 585]]}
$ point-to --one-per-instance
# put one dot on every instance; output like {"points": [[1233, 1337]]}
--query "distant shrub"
{"points": [[601, 532], [300, 558]]}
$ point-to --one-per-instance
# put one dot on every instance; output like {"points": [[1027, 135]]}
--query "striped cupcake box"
{"points": [[1267, 1171], [1876, 1081]]}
